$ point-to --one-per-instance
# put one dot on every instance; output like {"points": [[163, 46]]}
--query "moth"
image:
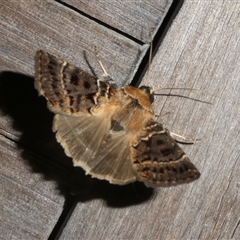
{"points": [[108, 130]]}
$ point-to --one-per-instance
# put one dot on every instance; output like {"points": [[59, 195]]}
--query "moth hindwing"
{"points": [[109, 131]]}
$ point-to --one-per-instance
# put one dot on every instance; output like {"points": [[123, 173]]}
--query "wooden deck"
{"points": [[43, 196]]}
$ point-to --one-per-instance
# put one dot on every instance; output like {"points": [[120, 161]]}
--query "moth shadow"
{"points": [[125, 196], [32, 120], [31, 124], [115, 196]]}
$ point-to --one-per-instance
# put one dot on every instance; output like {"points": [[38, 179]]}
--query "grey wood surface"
{"points": [[201, 50], [125, 16], [32, 25], [29, 202], [37, 179]]}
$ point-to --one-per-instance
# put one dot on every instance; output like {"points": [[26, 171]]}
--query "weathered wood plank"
{"points": [[29, 204], [26, 119], [138, 19], [201, 50], [194, 54], [32, 25], [209, 61]]}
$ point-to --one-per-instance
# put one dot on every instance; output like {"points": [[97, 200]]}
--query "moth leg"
{"points": [[161, 114], [187, 139], [105, 74]]}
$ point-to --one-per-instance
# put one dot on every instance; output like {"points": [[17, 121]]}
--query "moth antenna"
{"points": [[105, 74], [188, 139], [149, 62], [169, 94], [146, 82], [159, 89]]}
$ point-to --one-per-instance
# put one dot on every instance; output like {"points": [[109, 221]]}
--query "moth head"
{"points": [[149, 91]]}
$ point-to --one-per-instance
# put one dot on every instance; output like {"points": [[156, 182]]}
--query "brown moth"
{"points": [[109, 131]]}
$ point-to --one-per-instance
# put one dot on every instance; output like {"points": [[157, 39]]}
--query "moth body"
{"points": [[110, 132]]}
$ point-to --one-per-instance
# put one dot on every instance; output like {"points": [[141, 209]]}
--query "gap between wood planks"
{"points": [[154, 40]]}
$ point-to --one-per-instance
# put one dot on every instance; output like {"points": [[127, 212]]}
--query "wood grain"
{"points": [[205, 56], [201, 50], [137, 19], [30, 204], [48, 25], [37, 179]]}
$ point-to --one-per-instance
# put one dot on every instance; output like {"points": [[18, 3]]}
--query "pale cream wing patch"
{"points": [[112, 162], [101, 152], [80, 136]]}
